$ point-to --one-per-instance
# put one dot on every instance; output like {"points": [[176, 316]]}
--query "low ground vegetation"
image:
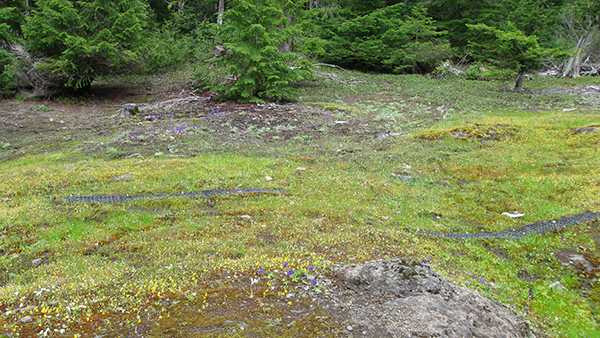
{"points": [[366, 160]]}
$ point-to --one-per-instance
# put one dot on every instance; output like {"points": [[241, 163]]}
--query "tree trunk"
{"points": [[519, 82], [221, 11], [572, 66]]}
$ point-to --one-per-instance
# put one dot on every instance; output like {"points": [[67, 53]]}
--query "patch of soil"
{"points": [[590, 94], [173, 121], [499, 253]]}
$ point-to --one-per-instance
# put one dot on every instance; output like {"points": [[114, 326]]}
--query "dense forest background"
{"points": [[47, 46]]}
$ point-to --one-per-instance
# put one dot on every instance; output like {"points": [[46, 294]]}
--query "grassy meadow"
{"points": [[459, 153]]}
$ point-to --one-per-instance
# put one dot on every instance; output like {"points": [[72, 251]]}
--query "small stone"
{"points": [[515, 215], [220, 51], [123, 177], [406, 178], [132, 108], [26, 319], [556, 286], [580, 261], [349, 328], [585, 130], [268, 178], [5, 200], [495, 286], [37, 261], [381, 136], [290, 295], [245, 217], [301, 168]]}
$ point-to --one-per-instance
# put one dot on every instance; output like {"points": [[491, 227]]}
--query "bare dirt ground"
{"points": [[173, 121]]}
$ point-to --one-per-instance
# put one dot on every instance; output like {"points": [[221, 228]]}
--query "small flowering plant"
{"points": [[289, 273]]}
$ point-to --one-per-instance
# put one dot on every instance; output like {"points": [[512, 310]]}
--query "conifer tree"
{"points": [[261, 72], [510, 48], [81, 39], [11, 18]]}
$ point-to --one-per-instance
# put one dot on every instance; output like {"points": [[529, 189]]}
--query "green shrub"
{"points": [[166, 50], [11, 18], [8, 80], [82, 39], [473, 71]]}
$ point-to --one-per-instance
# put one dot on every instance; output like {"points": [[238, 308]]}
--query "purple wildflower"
{"points": [[285, 264], [260, 271], [311, 267], [314, 282], [291, 272]]}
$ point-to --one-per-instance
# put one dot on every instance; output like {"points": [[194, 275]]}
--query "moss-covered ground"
{"points": [[457, 155]]}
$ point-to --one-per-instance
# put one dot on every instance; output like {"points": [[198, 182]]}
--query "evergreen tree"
{"points": [[454, 15], [11, 18], [81, 39], [392, 39], [510, 48], [535, 17], [426, 45], [261, 72]]}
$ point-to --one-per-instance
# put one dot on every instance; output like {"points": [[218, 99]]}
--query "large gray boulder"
{"points": [[420, 303]]}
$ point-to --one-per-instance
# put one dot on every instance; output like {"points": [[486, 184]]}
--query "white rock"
{"points": [[556, 286], [515, 215]]}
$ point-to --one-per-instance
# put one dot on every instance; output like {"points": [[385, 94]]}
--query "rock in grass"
{"points": [[404, 178], [579, 260], [585, 130], [556, 286], [123, 177], [420, 303], [26, 319], [129, 109]]}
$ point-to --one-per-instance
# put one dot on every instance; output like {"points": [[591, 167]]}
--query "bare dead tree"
{"points": [[31, 73], [572, 66], [221, 11]]}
